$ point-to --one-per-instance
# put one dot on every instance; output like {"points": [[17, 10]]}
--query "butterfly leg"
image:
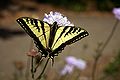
{"points": [[52, 58]]}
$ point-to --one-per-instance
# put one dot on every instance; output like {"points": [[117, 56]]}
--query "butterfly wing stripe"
{"points": [[31, 34], [75, 30], [40, 27], [69, 31], [36, 24], [31, 21], [43, 30]]}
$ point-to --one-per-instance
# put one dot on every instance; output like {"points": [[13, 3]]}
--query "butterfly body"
{"points": [[50, 39]]}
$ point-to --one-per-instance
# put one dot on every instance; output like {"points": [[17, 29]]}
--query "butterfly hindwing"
{"points": [[38, 30]]}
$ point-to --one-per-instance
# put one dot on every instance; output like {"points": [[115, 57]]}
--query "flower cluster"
{"points": [[72, 62], [116, 12], [57, 17]]}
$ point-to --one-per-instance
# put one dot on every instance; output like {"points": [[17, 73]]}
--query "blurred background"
{"points": [[95, 16]]}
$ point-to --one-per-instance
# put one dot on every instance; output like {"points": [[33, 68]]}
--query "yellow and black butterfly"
{"points": [[51, 39]]}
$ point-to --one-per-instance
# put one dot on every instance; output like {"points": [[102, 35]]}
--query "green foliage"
{"points": [[81, 5], [76, 5], [116, 3], [104, 5], [113, 69]]}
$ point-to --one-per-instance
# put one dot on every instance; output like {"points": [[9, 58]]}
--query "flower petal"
{"points": [[67, 69], [71, 60], [80, 64], [116, 12]]}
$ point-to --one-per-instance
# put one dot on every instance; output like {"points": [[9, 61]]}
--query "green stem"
{"points": [[40, 76], [94, 68], [32, 68], [38, 64], [27, 69], [110, 36], [102, 49], [28, 62]]}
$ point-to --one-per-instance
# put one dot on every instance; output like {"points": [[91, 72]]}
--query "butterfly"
{"points": [[50, 39]]}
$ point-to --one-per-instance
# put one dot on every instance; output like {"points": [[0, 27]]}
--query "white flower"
{"points": [[116, 12], [67, 69], [57, 17], [80, 64], [72, 63], [71, 60]]}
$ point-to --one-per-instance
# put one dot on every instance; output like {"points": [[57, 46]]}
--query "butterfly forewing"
{"points": [[67, 35], [39, 28]]}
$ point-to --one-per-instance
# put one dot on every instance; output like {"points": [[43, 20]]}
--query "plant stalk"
{"points": [[40, 76], [102, 49]]}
